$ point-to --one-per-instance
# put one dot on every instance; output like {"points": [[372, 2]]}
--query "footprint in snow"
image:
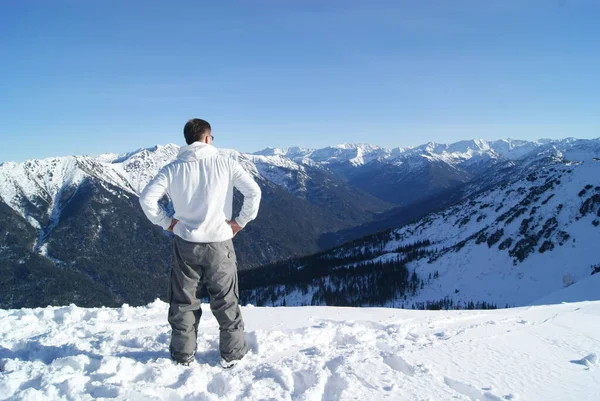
{"points": [[219, 385], [398, 364], [335, 386], [335, 363], [181, 380], [303, 381], [470, 391], [442, 335], [311, 352], [96, 390], [270, 373], [414, 337]]}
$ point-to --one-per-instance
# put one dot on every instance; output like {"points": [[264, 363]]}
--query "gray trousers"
{"points": [[215, 265]]}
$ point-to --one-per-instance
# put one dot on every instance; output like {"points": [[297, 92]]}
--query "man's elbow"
{"points": [[145, 203], [257, 191]]}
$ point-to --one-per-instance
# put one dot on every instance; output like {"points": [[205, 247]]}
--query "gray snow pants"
{"points": [[214, 264]]}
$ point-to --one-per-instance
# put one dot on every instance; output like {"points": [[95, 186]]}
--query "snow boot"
{"points": [[184, 360], [229, 364]]}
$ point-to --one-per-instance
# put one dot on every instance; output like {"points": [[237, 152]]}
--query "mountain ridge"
{"points": [[79, 208]]}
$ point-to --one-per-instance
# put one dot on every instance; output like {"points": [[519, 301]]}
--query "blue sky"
{"points": [[84, 77]]}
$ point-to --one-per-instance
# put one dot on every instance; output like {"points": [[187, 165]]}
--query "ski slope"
{"points": [[306, 353]]}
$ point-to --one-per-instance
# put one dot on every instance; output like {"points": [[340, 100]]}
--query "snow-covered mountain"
{"points": [[545, 353], [516, 243], [42, 184], [455, 153], [39, 190], [81, 212], [71, 228], [510, 245], [404, 176]]}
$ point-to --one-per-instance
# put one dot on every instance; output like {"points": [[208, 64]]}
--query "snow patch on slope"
{"points": [[586, 289], [282, 172]]}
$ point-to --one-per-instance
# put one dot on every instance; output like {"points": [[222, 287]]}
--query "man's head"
{"points": [[197, 130]]}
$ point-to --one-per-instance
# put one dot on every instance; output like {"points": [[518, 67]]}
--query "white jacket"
{"points": [[200, 184]]}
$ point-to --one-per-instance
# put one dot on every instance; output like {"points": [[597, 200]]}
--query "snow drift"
{"points": [[308, 353]]}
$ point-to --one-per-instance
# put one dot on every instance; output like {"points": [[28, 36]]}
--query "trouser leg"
{"points": [[222, 285], [184, 306]]}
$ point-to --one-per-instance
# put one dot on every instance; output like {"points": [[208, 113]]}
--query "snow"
{"points": [[514, 149], [587, 289], [41, 183], [43, 250], [589, 361], [307, 353], [355, 154], [37, 181], [282, 172]]}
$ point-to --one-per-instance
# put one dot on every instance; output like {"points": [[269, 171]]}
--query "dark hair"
{"points": [[195, 130]]}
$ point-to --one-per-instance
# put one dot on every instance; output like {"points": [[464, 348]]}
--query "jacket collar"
{"points": [[196, 151]]}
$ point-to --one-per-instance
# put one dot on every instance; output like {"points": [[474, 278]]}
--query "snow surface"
{"points": [[585, 290], [308, 353]]}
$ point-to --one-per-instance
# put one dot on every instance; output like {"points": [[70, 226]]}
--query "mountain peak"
{"points": [[291, 152], [168, 149], [271, 152], [357, 146]]}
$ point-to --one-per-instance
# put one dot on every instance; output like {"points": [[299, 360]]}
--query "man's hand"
{"points": [[173, 223], [235, 227]]}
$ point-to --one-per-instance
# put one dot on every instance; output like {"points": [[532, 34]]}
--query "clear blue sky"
{"points": [[81, 77]]}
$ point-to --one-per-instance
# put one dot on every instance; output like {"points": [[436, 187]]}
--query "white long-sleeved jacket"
{"points": [[200, 184]]}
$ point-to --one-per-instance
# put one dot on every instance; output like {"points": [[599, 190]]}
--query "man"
{"points": [[200, 184]]}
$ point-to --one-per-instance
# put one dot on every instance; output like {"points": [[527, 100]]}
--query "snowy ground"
{"points": [[309, 353]]}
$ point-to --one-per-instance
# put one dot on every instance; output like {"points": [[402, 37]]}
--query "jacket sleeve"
{"points": [[244, 182], [150, 197]]}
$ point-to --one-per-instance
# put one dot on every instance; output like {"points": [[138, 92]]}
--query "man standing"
{"points": [[200, 184]]}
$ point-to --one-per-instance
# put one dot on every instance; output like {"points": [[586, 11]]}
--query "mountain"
{"points": [[72, 221], [77, 220], [433, 176], [310, 353], [510, 245], [425, 170]]}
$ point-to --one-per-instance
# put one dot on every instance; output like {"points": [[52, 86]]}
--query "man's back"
{"points": [[200, 184]]}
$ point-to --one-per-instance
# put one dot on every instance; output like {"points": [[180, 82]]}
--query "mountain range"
{"points": [[510, 245], [72, 230]]}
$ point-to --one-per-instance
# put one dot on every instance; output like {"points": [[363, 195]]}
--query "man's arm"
{"points": [[244, 182], [149, 198]]}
